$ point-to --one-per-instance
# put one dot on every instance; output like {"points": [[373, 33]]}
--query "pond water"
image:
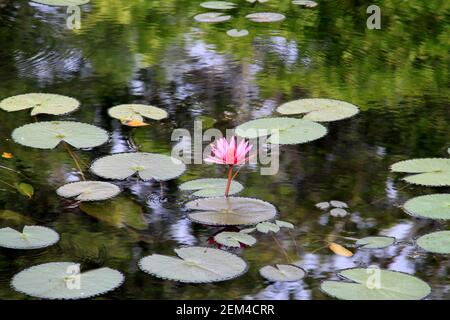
{"points": [[154, 52]]}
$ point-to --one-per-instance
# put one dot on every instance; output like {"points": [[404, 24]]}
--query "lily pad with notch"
{"points": [[435, 242], [230, 211], [40, 103], [433, 206], [218, 5], [49, 134], [432, 172], [234, 239], [147, 166], [211, 187], [195, 265], [212, 17], [88, 190], [136, 112], [376, 284], [63, 280], [31, 237], [376, 242], [265, 17], [266, 227], [282, 272]]}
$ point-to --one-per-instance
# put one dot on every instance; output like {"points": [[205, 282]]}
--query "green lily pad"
{"points": [[284, 224], [320, 110], [146, 165], [231, 211], [376, 284], [305, 3], [375, 242], [195, 265], [63, 280], [120, 212], [54, 104], [290, 130], [211, 187], [265, 17], [433, 206], [218, 5], [436, 242], [237, 33], [47, 135], [137, 112], [433, 172], [234, 239], [265, 227], [32, 237], [89, 190], [211, 17], [62, 3], [282, 272]]}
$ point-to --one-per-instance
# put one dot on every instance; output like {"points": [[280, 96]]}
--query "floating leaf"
{"points": [[339, 250], [265, 227], [260, 1], [305, 3], [247, 230], [320, 110], [195, 265], [89, 190], [54, 104], [119, 212], [212, 17], [231, 211], [237, 33], [338, 204], [265, 17], [218, 5], [376, 284], [47, 135], [282, 130], [436, 242], [433, 206], [234, 239], [62, 3], [338, 212], [135, 113], [63, 280], [135, 123], [282, 272], [25, 189], [147, 166], [32, 237], [284, 224], [323, 205], [433, 172], [375, 242], [211, 187]]}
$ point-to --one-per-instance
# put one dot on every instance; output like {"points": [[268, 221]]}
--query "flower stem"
{"points": [[230, 178], [74, 158]]}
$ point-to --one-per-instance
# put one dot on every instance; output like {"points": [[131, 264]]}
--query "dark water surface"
{"points": [[154, 52]]}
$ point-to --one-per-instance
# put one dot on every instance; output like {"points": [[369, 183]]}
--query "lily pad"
{"points": [[323, 205], [63, 280], [320, 110], [305, 3], [211, 17], [218, 5], [375, 242], [234, 239], [433, 206], [338, 204], [265, 17], [146, 165], [282, 272], [195, 265], [89, 190], [338, 212], [237, 33], [32, 237], [48, 134], [231, 211], [436, 242], [54, 104], [376, 284], [211, 187], [265, 227], [136, 112], [284, 224], [286, 130], [433, 172], [62, 3]]}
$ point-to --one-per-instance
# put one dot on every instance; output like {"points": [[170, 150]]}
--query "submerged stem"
{"points": [[282, 248], [77, 164], [8, 184], [230, 178]]}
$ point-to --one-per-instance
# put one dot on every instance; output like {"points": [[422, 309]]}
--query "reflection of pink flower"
{"points": [[228, 153]]}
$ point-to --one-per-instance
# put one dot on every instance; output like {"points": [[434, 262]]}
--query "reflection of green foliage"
{"points": [[13, 219]]}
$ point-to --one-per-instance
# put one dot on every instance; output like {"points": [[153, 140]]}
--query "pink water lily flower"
{"points": [[228, 153]]}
